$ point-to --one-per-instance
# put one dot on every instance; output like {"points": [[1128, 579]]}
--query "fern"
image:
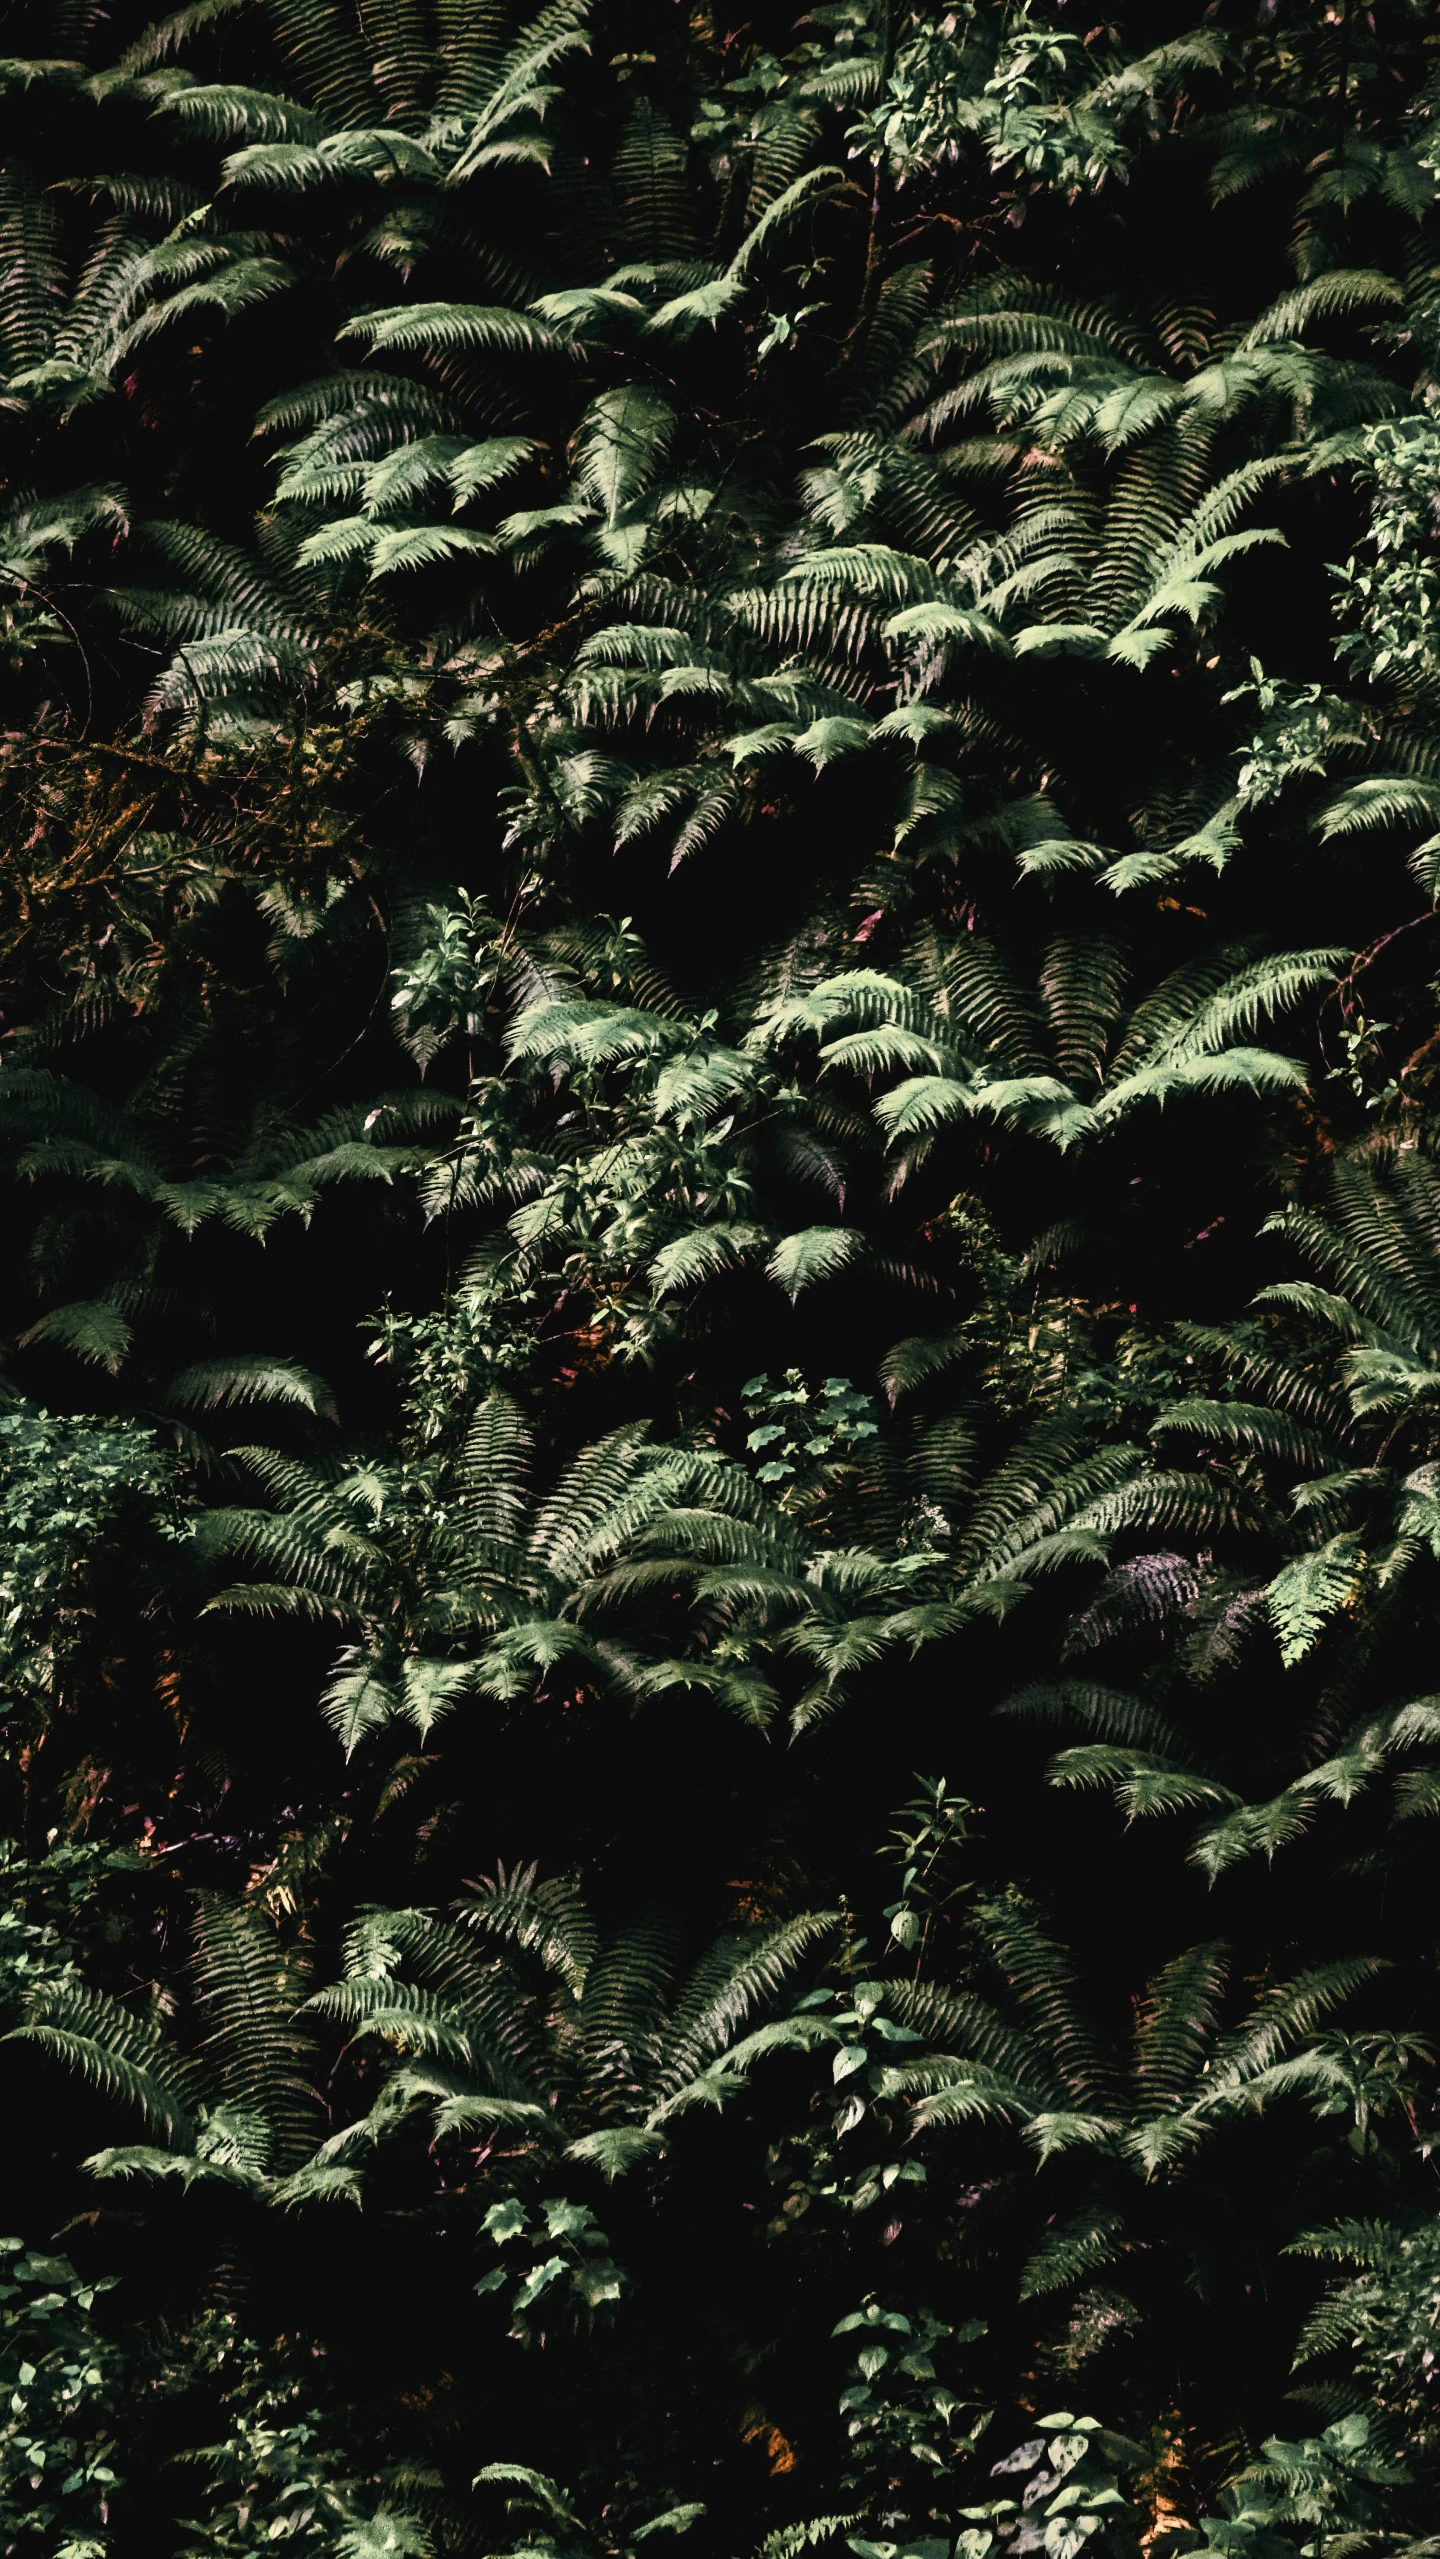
{"points": [[249, 1987]]}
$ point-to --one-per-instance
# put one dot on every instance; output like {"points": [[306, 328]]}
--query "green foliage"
{"points": [[801, 1435], [1070, 2499], [75, 1495], [1393, 599], [896, 2409], [283, 2469], [557, 2527], [572, 2254], [721, 734], [242, 2112], [64, 2386], [934, 1830], [516, 2014]]}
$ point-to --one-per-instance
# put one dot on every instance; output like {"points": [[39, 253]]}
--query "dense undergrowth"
{"points": [[720, 1448]]}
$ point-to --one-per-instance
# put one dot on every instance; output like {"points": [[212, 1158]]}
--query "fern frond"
{"points": [[250, 1985], [724, 1991]]}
